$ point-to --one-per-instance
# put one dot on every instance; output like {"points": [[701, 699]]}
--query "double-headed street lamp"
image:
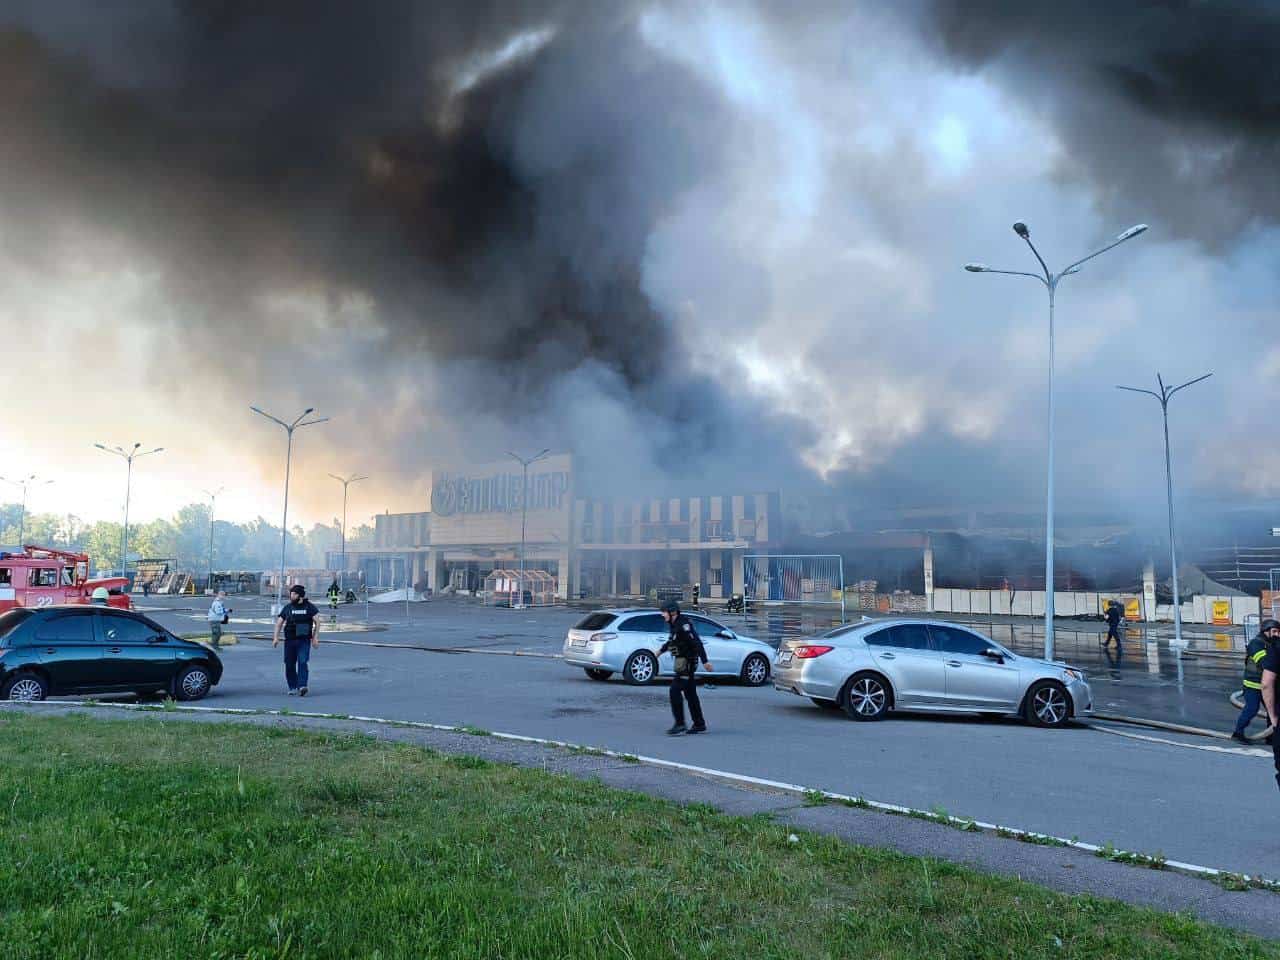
{"points": [[1051, 281], [299, 421], [213, 502], [1163, 397], [25, 482], [346, 482], [525, 463], [128, 456]]}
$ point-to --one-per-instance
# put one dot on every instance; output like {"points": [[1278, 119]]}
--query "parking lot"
{"points": [[1159, 794]]}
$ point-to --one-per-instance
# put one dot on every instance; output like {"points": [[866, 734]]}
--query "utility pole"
{"points": [[213, 501], [346, 482], [128, 456], [524, 462], [1051, 281], [299, 421], [1163, 397]]}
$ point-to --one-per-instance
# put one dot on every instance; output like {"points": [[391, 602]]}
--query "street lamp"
{"points": [[1163, 397], [213, 502], [24, 483], [346, 482], [299, 421], [524, 511], [1050, 281], [128, 456]]}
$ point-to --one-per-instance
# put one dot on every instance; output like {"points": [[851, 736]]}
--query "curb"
{"points": [[962, 823]]}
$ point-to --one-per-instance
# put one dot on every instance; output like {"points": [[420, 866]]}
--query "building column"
{"points": [[635, 578], [613, 575], [928, 576], [1149, 592], [739, 581]]}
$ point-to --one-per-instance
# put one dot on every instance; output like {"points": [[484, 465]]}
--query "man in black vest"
{"points": [[301, 634], [686, 646], [1270, 668]]}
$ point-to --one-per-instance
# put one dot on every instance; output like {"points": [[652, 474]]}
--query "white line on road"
{"points": [[1017, 833], [1210, 748]]}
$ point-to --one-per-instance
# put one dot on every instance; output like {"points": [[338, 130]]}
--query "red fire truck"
{"points": [[40, 577]]}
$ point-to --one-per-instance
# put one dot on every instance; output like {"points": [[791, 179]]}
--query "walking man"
{"points": [[1115, 613], [686, 646], [1254, 655], [298, 619], [218, 615]]}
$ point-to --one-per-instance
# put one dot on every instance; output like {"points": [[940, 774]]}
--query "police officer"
{"points": [[299, 620], [686, 646], [1254, 655]]}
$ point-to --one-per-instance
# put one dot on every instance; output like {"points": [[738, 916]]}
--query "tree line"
{"points": [[183, 538]]}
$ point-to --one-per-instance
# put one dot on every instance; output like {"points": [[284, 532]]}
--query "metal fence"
{"points": [[794, 578]]}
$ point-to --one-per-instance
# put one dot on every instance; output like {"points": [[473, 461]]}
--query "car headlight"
{"points": [[1070, 676]]}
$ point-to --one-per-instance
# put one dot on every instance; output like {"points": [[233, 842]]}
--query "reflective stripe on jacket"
{"points": [[1254, 654]]}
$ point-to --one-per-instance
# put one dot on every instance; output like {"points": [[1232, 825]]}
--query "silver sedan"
{"points": [[606, 642], [868, 669]]}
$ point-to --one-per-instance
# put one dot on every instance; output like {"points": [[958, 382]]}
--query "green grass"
{"points": [[156, 837]]}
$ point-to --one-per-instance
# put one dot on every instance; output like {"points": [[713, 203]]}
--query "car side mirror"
{"points": [[992, 654], [726, 635], [157, 639]]}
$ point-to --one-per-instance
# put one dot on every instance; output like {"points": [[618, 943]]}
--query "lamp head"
{"points": [[1021, 230], [1133, 231], [976, 267], [309, 410]]}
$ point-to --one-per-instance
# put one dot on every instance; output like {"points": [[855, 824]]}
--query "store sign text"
{"points": [[453, 494]]}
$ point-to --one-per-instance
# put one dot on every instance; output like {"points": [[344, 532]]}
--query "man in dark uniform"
{"points": [[1115, 613], [686, 646], [1270, 668], [298, 619], [1254, 655]]}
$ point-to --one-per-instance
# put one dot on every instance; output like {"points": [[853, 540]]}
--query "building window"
{"points": [[747, 529], [711, 530], [714, 577], [622, 533], [588, 533]]}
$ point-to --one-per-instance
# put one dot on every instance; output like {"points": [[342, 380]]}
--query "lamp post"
{"points": [[213, 502], [1163, 397], [299, 421], [128, 456], [25, 483], [524, 462], [346, 482], [1051, 281]]}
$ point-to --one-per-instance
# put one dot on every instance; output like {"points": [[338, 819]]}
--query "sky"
{"points": [[705, 246]]}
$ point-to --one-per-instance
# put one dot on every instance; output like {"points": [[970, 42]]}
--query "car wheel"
{"points": [[641, 668], [193, 683], [867, 697], [825, 703], [755, 670], [596, 674], [26, 687], [1048, 704]]}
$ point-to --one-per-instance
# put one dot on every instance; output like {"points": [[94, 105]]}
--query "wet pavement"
{"points": [[1149, 678]]}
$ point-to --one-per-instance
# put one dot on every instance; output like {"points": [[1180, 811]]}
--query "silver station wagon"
{"points": [[868, 669], [606, 642]]}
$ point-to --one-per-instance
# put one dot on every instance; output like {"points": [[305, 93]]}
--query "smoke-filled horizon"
{"points": [[702, 247]]}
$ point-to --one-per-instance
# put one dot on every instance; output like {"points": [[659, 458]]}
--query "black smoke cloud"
{"points": [[495, 220], [1168, 107]]}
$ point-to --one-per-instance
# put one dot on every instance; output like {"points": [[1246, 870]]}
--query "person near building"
{"points": [[687, 649], [100, 596], [1254, 655], [218, 616], [1115, 613], [334, 595], [1270, 669], [298, 620]]}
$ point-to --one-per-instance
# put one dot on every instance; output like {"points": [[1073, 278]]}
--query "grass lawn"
{"points": [[161, 838]]}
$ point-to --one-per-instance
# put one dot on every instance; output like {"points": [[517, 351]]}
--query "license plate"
{"points": [[785, 659], [576, 642]]}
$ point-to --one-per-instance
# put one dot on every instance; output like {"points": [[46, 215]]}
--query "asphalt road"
{"points": [[1173, 796]]}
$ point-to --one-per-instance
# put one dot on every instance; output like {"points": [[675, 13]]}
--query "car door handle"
{"points": [[52, 650], [888, 656], [114, 650], [954, 663]]}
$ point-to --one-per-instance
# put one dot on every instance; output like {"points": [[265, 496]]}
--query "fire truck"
{"points": [[41, 577]]}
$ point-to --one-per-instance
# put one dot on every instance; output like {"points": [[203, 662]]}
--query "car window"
{"points": [[905, 636], [127, 630], [645, 623], [41, 577], [67, 628], [952, 640], [705, 627], [10, 621], [594, 621]]}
